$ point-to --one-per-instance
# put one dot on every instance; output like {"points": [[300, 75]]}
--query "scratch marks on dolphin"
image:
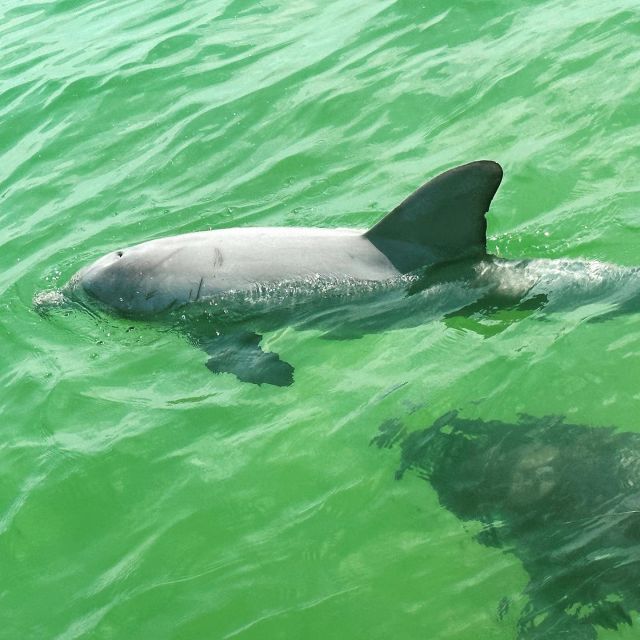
{"points": [[199, 289], [218, 261], [191, 298]]}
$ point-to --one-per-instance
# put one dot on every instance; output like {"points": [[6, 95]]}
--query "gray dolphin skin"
{"points": [[443, 220]]}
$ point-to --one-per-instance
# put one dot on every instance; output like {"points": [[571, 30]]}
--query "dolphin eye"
{"points": [[119, 254]]}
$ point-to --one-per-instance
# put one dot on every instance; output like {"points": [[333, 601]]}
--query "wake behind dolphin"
{"points": [[426, 259]]}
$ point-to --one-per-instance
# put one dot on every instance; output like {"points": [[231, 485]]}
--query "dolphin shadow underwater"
{"points": [[425, 260], [563, 498]]}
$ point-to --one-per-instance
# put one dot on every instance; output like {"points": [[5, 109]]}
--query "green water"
{"points": [[143, 497]]}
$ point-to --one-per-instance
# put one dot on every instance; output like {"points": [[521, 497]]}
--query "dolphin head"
{"points": [[128, 281]]}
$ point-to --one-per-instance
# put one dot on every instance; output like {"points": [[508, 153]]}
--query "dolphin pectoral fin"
{"points": [[493, 313], [628, 307], [241, 355]]}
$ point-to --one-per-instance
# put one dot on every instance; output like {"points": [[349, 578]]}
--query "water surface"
{"points": [[141, 496]]}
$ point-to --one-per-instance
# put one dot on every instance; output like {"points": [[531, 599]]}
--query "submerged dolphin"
{"points": [[563, 498]]}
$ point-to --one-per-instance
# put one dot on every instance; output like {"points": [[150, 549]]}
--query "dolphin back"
{"points": [[443, 220]]}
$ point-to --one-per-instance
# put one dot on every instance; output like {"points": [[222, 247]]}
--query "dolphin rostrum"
{"points": [[443, 220]]}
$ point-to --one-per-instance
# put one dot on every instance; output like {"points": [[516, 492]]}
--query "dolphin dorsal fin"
{"points": [[443, 220]]}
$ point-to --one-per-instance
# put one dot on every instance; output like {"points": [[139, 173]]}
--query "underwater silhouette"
{"points": [[563, 498]]}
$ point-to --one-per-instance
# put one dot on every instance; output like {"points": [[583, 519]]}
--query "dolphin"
{"points": [[426, 259], [443, 220], [563, 498]]}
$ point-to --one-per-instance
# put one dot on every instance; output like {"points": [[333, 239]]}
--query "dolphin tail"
{"points": [[443, 220]]}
